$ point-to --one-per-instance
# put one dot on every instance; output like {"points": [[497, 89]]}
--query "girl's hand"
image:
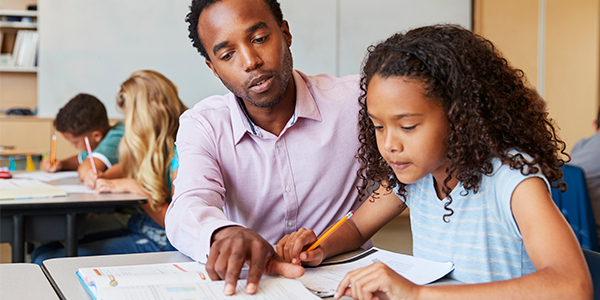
{"points": [[376, 281], [291, 247], [121, 185]]}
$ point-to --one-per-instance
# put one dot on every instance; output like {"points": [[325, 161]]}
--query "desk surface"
{"points": [[24, 281]]}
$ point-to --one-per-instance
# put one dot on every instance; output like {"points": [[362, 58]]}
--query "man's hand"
{"points": [[234, 246]]}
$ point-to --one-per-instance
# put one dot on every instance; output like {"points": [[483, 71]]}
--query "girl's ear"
{"points": [[596, 125], [97, 136]]}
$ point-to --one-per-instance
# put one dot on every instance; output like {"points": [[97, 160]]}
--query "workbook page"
{"points": [[323, 280]]}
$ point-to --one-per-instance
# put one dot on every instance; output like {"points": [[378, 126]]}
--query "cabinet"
{"points": [[18, 71]]}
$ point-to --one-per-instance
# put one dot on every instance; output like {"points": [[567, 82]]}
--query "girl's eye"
{"points": [[408, 128], [377, 127]]}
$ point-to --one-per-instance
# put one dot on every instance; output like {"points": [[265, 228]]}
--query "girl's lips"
{"points": [[399, 165], [263, 86]]}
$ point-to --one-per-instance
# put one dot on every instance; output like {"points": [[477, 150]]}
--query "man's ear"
{"points": [[97, 136], [212, 67], [285, 27]]}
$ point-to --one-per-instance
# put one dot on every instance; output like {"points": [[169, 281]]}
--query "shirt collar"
{"points": [[306, 107]]}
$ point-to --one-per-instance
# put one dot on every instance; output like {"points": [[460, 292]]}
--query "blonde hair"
{"points": [[152, 109]]}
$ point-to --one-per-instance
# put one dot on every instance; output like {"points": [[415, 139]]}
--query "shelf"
{"points": [[18, 25], [18, 69], [18, 13]]}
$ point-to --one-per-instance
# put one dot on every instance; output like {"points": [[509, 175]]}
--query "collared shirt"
{"points": [[232, 172]]}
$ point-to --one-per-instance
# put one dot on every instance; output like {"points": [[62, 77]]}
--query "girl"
{"points": [[148, 163], [454, 132]]}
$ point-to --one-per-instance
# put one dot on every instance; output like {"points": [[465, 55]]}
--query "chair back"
{"points": [[576, 206]]}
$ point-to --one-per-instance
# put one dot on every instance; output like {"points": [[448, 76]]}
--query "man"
{"points": [[586, 155], [277, 153]]}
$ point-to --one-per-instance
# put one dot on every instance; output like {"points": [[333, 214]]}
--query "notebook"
{"points": [[26, 188]]}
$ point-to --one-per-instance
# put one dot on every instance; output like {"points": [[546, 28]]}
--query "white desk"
{"points": [[24, 281], [58, 218]]}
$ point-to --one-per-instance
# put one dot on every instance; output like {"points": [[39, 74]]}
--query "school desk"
{"points": [[59, 218], [24, 281]]}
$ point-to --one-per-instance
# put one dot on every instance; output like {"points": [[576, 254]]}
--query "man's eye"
{"points": [[226, 57], [260, 39]]}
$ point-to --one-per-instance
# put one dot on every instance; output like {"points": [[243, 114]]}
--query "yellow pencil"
{"points": [[53, 151], [330, 231]]}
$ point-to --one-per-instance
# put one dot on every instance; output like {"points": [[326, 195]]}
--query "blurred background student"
{"points": [[148, 165]]}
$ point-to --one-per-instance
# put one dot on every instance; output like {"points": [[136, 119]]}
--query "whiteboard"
{"points": [[92, 46]]}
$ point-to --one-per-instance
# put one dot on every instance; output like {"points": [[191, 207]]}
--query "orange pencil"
{"points": [[330, 231], [53, 151]]}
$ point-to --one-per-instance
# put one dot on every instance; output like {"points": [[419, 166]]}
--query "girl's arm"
{"points": [[561, 270], [158, 213], [116, 171], [351, 235]]}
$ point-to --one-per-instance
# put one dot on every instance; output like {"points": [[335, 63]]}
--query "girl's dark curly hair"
{"points": [[489, 107]]}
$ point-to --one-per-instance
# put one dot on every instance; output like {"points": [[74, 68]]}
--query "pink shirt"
{"points": [[274, 185]]}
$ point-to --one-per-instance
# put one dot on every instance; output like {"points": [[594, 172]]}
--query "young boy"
{"points": [[82, 116]]}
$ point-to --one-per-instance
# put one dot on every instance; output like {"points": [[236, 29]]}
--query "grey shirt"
{"points": [[586, 155]]}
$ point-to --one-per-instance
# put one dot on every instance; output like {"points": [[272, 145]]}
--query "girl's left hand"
{"points": [[121, 185], [376, 281]]}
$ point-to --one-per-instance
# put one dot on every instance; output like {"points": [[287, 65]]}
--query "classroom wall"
{"points": [[94, 45], [556, 43]]}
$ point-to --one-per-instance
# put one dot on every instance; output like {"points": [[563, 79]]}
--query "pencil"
{"points": [[53, 151], [330, 231], [89, 150]]}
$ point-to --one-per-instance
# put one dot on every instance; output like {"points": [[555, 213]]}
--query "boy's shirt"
{"points": [[108, 148]]}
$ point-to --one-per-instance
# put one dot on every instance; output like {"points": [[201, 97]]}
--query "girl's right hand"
{"points": [[292, 248]]}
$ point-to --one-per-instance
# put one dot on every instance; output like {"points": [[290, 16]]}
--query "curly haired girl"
{"points": [[453, 130]]}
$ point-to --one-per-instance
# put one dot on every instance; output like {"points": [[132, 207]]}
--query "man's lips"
{"points": [[261, 84]]}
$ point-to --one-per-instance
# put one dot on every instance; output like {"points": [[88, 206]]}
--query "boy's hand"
{"points": [[89, 179], [48, 167], [291, 247]]}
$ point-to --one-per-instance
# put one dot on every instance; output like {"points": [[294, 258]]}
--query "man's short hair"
{"points": [[82, 114], [198, 6]]}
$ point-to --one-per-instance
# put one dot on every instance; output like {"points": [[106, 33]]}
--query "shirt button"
{"points": [[278, 144], [290, 224], [288, 189]]}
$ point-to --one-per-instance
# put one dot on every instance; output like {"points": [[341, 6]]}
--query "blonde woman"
{"points": [[148, 165]]}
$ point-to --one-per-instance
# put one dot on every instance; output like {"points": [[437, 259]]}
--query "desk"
{"points": [[59, 218], [24, 281]]}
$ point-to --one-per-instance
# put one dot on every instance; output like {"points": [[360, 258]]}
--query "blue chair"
{"points": [[575, 205], [593, 260]]}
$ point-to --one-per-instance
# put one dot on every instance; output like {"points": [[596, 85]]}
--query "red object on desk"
{"points": [[5, 175]]}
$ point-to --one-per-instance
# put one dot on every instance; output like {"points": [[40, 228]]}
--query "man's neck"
{"points": [[273, 119]]}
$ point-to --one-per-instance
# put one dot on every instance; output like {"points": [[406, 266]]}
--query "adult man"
{"points": [[586, 155], [277, 153]]}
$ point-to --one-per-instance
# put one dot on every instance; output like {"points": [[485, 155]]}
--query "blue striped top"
{"points": [[482, 238]]}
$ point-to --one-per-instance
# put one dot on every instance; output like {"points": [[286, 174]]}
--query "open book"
{"points": [[25, 188], [186, 280], [323, 280]]}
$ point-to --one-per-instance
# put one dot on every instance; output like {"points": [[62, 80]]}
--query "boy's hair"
{"points": [[490, 108], [82, 114], [198, 6]]}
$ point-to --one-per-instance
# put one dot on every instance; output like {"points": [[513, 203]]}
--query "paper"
{"points": [[75, 189], [187, 280], [25, 188], [324, 280], [43, 176]]}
